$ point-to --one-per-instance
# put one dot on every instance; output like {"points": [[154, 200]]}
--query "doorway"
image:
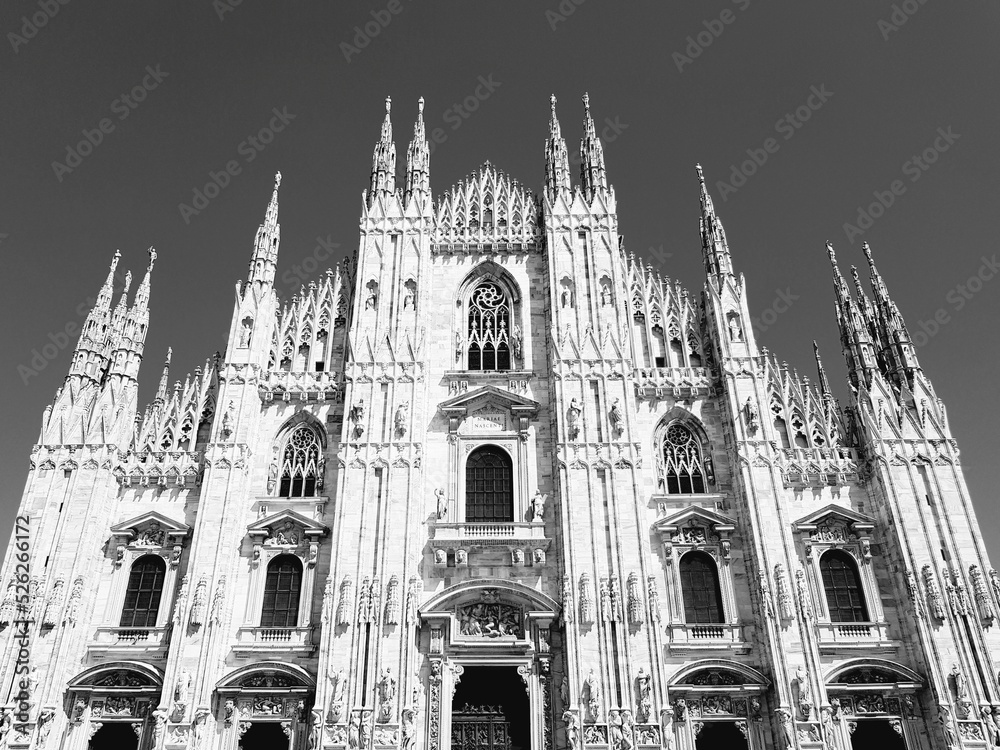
{"points": [[876, 734], [719, 734], [264, 735], [491, 710], [114, 736]]}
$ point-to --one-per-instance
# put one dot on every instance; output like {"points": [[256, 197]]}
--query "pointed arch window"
{"points": [[143, 593], [281, 593], [489, 486], [700, 589], [842, 585], [489, 328], [300, 463], [683, 469]]}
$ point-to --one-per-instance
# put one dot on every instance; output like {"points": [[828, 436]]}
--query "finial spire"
{"points": [[383, 177], [898, 354], [161, 391], [714, 245], [824, 382], [418, 157], [265, 245], [854, 335], [556, 157], [593, 174]]}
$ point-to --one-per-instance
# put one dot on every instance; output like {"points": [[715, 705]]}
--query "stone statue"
{"points": [[442, 503], [785, 724], [515, 340], [459, 345], [592, 687], [643, 693], [408, 730], [386, 694], [354, 733], [616, 417], [538, 506], [735, 334], [400, 419], [944, 719], [573, 418]]}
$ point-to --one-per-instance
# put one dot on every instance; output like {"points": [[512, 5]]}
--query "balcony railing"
{"points": [[114, 639], [684, 636], [487, 534], [838, 635], [256, 639]]}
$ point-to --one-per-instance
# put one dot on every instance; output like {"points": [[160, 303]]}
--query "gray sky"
{"points": [[849, 92]]}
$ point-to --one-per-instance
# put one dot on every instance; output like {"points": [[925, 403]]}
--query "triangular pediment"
{"points": [[487, 396], [835, 515], [151, 529], [694, 515], [285, 522]]}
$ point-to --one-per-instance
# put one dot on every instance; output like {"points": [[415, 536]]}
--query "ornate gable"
{"points": [[287, 531], [487, 409]]}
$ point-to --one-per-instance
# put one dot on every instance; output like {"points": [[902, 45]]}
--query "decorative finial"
{"points": [[388, 104], [552, 101], [420, 105], [868, 251], [586, 101], [701, 175], [277, 180], [152, 259], [128, 282], [829, 251]]}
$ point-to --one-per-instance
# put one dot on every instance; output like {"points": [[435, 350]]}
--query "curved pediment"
{"points": [[487, 206]]}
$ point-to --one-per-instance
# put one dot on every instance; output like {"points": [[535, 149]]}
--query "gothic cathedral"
{"points": [[493, 483]]}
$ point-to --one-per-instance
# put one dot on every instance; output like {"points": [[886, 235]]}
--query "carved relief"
{"points": [[785, 604], [635, 612], [934, 600]]}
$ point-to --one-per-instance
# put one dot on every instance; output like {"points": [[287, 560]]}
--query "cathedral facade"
{"points": [[494, 483]]}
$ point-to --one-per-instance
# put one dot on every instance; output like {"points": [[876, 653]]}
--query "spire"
{"points": [[141, 302], [593, 175], [824, 383], [898, 353], [161, 391], [265, 244], [383, 179], [556, 157], [132, 338], [714, 246], [90, 355], [854, 335], [418, 158]]}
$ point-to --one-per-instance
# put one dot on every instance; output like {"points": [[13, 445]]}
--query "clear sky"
{"points": [[849, 93]]}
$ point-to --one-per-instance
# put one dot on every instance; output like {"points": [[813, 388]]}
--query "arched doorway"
{"points": [[874, 704], [718, 703], [114, 703], [263, 736], [488, 673], [266, 706], [118, 736], [877, 734], [490, 710]]}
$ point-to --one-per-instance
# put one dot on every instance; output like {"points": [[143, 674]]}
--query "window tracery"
{"points": [[301, 464], [683, 468], [489, 328]]}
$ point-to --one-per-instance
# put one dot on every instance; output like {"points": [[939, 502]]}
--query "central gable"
{"points": [[487, 207]]}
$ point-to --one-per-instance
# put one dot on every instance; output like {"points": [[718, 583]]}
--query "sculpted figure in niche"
{"points": [[605, 295], [245, 332], [441, 503], [592, 687], [573, 417], [400, 419], [151, 536], [735, 333], [538, 506], [616, 417]]}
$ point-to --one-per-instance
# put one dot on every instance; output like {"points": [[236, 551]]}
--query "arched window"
{"points": [[700, 588], [300, 463], [142, 596], [281, 593], [842, 585], [682, 466], [489, 486], [489, 328]]}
